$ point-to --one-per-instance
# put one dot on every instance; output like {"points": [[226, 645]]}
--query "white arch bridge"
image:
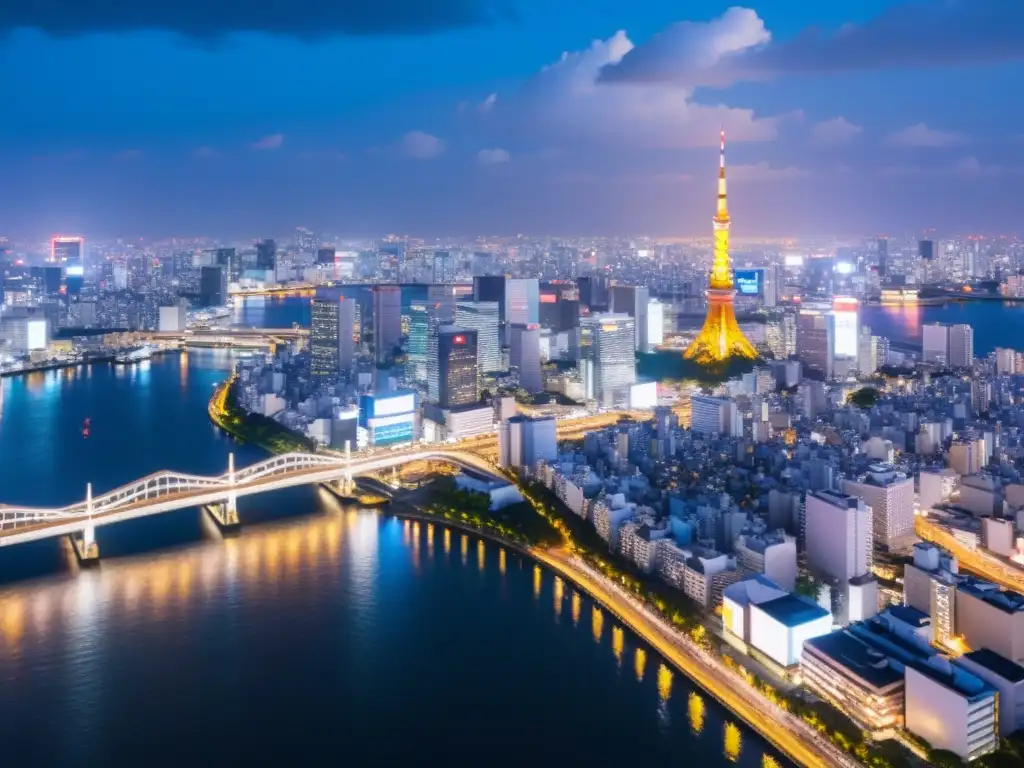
{"points": [[166, 490]]}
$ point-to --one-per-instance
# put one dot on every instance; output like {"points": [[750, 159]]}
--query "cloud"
{"points": [[838, 130], [921, 135], [268, 143], [205, 153], [566, 103], [307, 19], [422, 146], [912, 35], [493, 156]]}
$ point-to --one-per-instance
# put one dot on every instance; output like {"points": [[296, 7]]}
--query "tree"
{"points": [[943, 758], [807, 585], [865, 397]]}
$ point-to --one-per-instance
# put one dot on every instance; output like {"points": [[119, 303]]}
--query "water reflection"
{"points": [[447, 541], [596, 623], [664, 682], [733, 742], [464, 548], [695, 710], [536, 582], [618, 644], [639, 662], [577, 607], [480, 555], [559, 596], [501, 561]]}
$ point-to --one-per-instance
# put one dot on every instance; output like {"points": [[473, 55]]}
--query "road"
{"points": [[977, 562], [786, 732]]}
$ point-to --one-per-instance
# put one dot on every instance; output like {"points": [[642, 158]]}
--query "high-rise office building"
{"points": [[69, 254], [458, 368], [935, 344], [961, 346], [593, 292], [418, 331], [846, 319], [926, 250], [883, 258], [228, 258], [612, 338], [491, 288], [654, 335], [331, 337], [213, 285], [522, 301], [444, 267], [524, 355], [266, 255], [890, 495], [867, 352], [633, 300], [815, 340], [387, 322], [838, 531], [326, 255], [482, 317]]}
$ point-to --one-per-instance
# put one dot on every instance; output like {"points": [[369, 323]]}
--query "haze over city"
{"points": [[470, 116]]}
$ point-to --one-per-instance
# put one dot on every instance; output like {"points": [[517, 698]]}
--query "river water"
{"points": [[319, 636]]}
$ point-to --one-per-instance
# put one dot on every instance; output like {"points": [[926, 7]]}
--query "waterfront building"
{"points": [[654, 334], [213, 286], [935, 344], [173, 318], [721, 338], [961, 346], [483, 317], [890, 494], [326, 255], [266, 256]]}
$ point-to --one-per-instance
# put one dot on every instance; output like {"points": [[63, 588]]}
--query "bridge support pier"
{"points": [[225, 516], [84, 542]]}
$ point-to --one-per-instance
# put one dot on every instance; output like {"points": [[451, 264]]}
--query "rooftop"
{"points": [[1000, 665], [848, 651], [1003, 599], [792, 610]]}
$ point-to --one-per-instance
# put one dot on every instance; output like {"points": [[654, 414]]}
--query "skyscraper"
{"points": [[961, 346], [418, 330], [69, 254], [612, 339], [482, 317], [458, 369], [444, 267], [883, 259], [522, 301], [935, 344], [325, 255], [721, 338], [387, 322], [890, 495], [524, 355], [654, 335], [266, 255], [593, 293], [632, 300], [815, 340], [213, 285], [846, 317], [331, 337]]}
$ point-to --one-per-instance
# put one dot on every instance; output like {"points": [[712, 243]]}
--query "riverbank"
{"points": [[258, 430], [62, 364]]}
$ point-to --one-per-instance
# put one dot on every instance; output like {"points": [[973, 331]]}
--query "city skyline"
{"points": [[595, 121]]}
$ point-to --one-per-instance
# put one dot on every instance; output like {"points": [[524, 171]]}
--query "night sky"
{"points": [[249, 117]]}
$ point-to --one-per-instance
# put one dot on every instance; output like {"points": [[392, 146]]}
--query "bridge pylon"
{"points": [[224, 514], [84, 542]]}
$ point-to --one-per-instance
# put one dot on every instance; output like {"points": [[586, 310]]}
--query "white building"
{"points": [[715, 416], [173, 318], [612, 353], [890, 495], [523, 441], [780, 626], [771, 555], [961, 346], [655, 326], [951, 708], [838, 535], [1007, 677], [935, 344]]}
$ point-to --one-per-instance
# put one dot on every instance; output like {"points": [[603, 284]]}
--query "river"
{"points": [[318, 636]]}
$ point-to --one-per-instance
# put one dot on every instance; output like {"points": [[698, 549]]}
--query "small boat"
{"points": [[136, 355]]}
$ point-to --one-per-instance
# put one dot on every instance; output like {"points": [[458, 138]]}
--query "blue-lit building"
{"points": [[388, 418]]}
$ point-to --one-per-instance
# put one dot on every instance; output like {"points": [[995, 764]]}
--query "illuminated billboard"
{"points": [[459, 340], [793, 260], [548, 298], [378, 407], [749, 282], [75, 270]]}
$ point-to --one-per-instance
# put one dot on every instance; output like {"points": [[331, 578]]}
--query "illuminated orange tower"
{"points": [[721, 338]]}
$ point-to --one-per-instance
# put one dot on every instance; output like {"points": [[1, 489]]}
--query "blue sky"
{"points": [[504, 116]]}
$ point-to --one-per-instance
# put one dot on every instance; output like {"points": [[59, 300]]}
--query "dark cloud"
{"points": [[938, 33], [211, 19]]}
